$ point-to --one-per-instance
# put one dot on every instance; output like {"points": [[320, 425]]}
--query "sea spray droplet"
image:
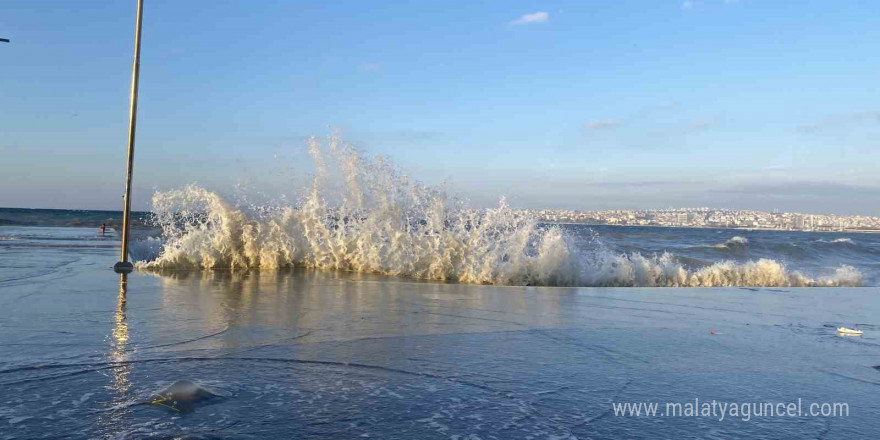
{"points": [[379, 221]]}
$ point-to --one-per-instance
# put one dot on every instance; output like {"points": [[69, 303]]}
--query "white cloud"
{"points": [[688, 4], [537, 17]]}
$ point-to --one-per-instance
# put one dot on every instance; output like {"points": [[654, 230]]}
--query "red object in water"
{"points": [[711, 332]]}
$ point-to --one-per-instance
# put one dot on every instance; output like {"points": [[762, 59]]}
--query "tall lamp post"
{"points": [[124, 265]]}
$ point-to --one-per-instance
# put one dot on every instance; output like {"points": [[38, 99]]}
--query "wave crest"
{"points": [[734, 242]]}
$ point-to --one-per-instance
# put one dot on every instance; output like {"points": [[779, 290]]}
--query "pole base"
{"points": [[123, 267]]}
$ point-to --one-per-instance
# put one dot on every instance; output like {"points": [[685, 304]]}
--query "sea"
{"points": [[377, 307]]}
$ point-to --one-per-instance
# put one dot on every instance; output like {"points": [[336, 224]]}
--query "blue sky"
{"points": [[558, 104]]}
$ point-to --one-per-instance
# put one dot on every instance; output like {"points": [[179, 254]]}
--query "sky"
{"points": [[744, 104]]}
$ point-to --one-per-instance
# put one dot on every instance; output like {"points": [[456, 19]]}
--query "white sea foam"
{"points": [[665, 271], [381, 222], [836, 240], [734, 242]]}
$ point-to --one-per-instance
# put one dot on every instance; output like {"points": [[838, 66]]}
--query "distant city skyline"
{"points": [[716, 218], [576, 105]]}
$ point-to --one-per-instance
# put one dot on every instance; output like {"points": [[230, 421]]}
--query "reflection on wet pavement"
{"points": [[309, 354]]}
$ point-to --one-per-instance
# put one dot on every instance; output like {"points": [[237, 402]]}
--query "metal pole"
{"points": [[124, 265]]}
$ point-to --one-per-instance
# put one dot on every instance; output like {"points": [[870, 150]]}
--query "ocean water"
{"points": [[68, 217], [372, 306], [312, 353]]}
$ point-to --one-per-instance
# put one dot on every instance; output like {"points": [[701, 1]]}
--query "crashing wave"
{"points": [[379, 221]]}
